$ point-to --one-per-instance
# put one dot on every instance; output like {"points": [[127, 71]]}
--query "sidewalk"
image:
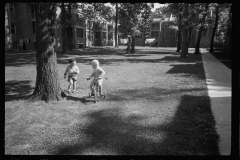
{"points": [[218, 79]]}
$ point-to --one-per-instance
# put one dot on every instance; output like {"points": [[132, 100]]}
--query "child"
{"points": [[72, 71], [98, 74]]}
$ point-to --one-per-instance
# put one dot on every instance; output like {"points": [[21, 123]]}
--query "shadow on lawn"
{"points": [[192, 58], [191, 132], [19, 59], [197, 70], [16, 90]]}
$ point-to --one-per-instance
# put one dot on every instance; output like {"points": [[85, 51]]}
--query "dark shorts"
{"points": [[73, 78]]}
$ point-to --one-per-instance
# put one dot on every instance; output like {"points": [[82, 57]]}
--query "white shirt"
{"points": [[70, 70]]}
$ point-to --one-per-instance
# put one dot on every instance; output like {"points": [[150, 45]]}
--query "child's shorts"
{"points": [[73, 78]]}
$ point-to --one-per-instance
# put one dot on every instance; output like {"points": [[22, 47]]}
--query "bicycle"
{"points": [[96, 92]]}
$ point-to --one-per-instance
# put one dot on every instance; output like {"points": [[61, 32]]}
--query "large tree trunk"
{"points": [[64, 35], [214, 30], [198, 41], [230, 32], [70, 27], [116, 27], [179, 34], [47, 83], [184, 51], [8, 37], [200, 31], [128, 45], [189, 36], [133, 45], [144, 39]]}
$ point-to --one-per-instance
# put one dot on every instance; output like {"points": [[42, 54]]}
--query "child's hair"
{"points": [[72, 60], [95, 62]]}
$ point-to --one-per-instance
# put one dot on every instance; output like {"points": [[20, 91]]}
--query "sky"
{"points": [[156, 5]]}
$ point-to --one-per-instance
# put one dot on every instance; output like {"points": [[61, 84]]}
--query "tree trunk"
{"points": [[179, 34], [133, 45], [198, 41], [189, 36], [144, 39], [64, 35], [70, 27], [184, 51], [214, 30], [47, 82], [8, 37], [200, 31], [128, 45], [116, 27], [230, 32]]}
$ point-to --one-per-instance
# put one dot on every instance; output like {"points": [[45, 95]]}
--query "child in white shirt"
{"points": [[97, 75], [72, 70]]}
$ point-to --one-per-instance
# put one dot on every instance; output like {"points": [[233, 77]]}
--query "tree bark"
{"points": [[184, 51], [8, 37], [128, 45], [198, 41], [133, 45], [47, 82], [230, 32], [144, 39], [189, 36], [200, 31], [179, 34], [214, 30], [116, 27], [70, 27], [64, 35]]}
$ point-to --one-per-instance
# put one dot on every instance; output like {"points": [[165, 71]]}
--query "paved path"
{"points": [[218, 78]]}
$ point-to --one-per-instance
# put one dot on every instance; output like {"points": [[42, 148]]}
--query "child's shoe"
{"points": [[73, 91], [69, 92]]}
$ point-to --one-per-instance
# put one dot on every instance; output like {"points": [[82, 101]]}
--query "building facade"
{"points": [[162, 35], [20, 29]]}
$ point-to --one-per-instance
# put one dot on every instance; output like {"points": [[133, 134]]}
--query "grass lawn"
{"points": [[156, 104]]}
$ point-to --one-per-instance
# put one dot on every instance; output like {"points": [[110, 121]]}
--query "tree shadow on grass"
{"points": [[188, 70], [20, 59], [192, 58], [16, 90], [108, 61], [191, 132]]}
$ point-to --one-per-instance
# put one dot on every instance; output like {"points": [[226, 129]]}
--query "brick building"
{"points": [[20, 29], [166, 36]]}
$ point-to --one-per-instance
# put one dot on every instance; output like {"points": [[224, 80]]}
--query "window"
{"points": [[155, 26], [171, 34], [154, 34], [110, 28], [97, 35], [34, 27], [104, 35], [11, 8], [13, 28], [80, 32], [79, 20], [33, 15], [69, 31], [104, 26]]}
